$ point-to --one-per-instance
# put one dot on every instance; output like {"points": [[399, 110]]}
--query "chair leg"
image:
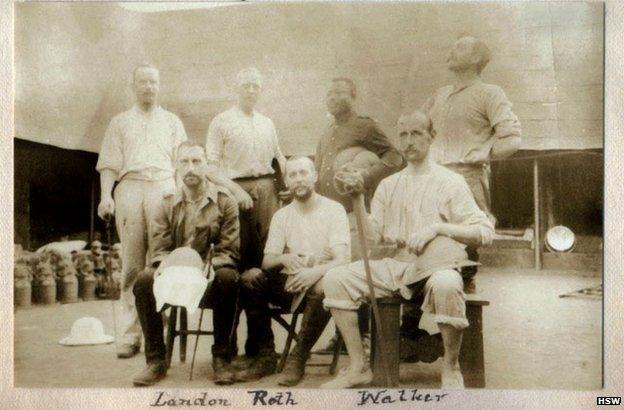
{"points": [[171, 333], [201, 318], [183, 329], [336, 355], [291, 335]]}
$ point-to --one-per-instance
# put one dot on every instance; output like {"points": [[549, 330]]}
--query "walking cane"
{"points": [[357, 199], [110, 289]]}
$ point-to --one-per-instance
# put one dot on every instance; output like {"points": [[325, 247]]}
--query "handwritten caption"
{"points": [[287, 398]]}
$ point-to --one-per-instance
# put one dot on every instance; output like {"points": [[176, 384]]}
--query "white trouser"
{"points": [[135, 202]]}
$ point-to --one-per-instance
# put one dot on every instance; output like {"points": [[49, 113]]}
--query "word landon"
{"points": [[385, 397], [260, 398], [168, 400]]}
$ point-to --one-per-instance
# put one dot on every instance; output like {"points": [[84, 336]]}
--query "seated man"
{"points": [[198, 215], [410, 209], [306, 238]]}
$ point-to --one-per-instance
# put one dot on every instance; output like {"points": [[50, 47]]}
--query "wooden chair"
{"points": [[277, 315], [471, 357], [174, 330]]}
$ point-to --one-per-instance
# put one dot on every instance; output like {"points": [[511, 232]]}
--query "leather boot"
{"points": [[223, 374], [315, 318], [263, 365], [153, 373]]}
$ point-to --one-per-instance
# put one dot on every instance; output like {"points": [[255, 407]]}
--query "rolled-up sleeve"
{"points": [[277, 152], [111, 154], [498, 107], [214, 141], [227, 249], [460, 208], [161, 241]]}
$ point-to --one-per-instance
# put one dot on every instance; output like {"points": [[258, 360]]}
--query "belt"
{"points": [[159, 175], [473, 165]]}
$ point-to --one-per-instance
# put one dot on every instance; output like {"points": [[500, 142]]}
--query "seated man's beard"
{"points": [[192, 175], [303, 197]]}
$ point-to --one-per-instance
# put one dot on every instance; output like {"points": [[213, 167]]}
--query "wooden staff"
{"points": [[360, 214]]}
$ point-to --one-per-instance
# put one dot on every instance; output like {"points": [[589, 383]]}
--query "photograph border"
{"points": [[613, 283]]}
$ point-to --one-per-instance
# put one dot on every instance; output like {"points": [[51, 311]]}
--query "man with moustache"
{"points": [[243, 145], [411, 210], [137, 151], [197, 215], [307, 237], [350, 130]]}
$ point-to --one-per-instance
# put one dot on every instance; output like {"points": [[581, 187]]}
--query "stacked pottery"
{"points": [[45, 285], [68, 281], [22, 291], [99, 265], [87, 281]]}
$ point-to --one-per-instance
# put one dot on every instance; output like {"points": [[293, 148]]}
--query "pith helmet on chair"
{"points": [[181, 281]]}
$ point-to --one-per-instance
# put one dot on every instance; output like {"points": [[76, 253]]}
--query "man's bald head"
{"points": [[300, 160], [416, 120]]}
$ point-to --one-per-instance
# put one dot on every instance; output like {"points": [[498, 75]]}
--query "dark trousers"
{"points": [[264, 287], [220, 296], [254, 223]]}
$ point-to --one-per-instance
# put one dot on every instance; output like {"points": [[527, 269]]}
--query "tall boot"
{"points": [[315, 318]]}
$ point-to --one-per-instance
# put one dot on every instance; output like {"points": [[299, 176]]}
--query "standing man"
{"points": [[137, 150], [307, 237], [412, 209], [472, 124], [199, 214], [243, 144], [351, 130]]}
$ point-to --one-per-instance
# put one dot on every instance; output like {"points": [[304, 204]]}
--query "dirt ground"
{"points": [[533, 340]]}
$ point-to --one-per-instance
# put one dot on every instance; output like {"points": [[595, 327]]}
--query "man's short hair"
{"points": [[189, 144], [297, 158], [418, 116], [245, 71], [347, 81], [143, 65], [482, 50]]}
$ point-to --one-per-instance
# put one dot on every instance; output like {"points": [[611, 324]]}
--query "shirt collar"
{"points": [[242, 114], [140, 112], [211, 194], [463, 85]]}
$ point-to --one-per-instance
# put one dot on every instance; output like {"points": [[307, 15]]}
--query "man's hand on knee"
{"points": [[253, 278]]}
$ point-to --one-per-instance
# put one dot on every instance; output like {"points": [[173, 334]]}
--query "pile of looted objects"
{"points": [[53, 273]]}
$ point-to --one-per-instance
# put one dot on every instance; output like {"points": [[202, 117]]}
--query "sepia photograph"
{"points": [[272, 196]]}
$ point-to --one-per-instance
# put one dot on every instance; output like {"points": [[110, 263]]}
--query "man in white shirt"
{"points": [[137, 150], [242, 145], [409, 211], [306, 239]]}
